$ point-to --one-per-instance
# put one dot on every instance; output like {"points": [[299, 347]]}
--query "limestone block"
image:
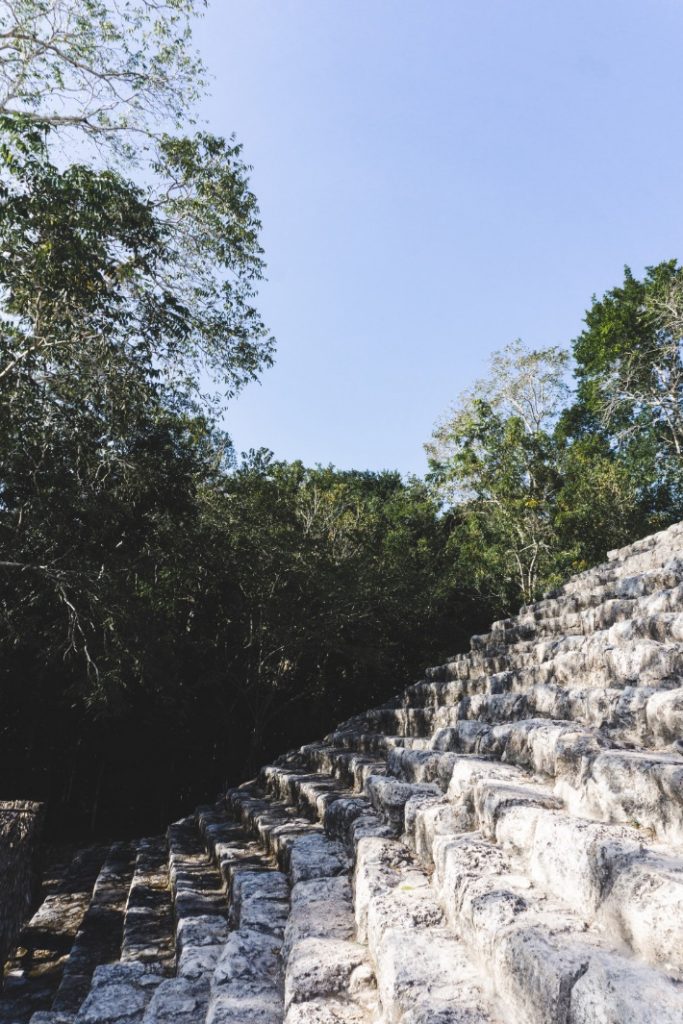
{"points": [[332, 1010], [615, 993], [203, 930], [119, 994], [320, 966], [195, 962], [245, 1002], [320, 907], [424, 976], [316, 856], [178, 1001], [248, 955]]}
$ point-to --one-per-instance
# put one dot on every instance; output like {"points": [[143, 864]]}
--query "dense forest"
{"points": [[172, 613]]}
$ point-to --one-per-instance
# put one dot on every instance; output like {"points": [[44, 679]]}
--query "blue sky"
{"points": [[437, 178]]}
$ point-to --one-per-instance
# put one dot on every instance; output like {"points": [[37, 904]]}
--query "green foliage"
{"points": [[325, 564], [629, 368], [91, 256], [111, 72], [495, 455], [542, 483], [597, 506], [208, 617]]}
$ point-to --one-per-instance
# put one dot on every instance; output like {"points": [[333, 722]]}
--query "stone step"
{"points": [[396, 721], [630, 560], [328, 976], [33, 973], [424, 975], [178, 1000], [660, 549], [148, 932], [351, 767], [229, 845], [627, 580], [120, 993], [100, 935], [247, 984], [626, 584], [554, 926], [524, 629], [632, 891], [301, 847], [646, 716], [374, 744], [647, 663], [200, 900], [546, 963], [422, 972], [593, 778], [668, 535], [233, 975], [328, 800], [597, 659]]}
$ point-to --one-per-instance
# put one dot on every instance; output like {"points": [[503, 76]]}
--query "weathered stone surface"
{"points": [[330, 1010], [178, 1001], [99, 937], [320, 907], [195, 962], [148, 921], [260, 901], [20, 824], [314, 856], [206, 930], [427, 977], [119, 993], [320, 966], [245, 1003], [248, 955]]}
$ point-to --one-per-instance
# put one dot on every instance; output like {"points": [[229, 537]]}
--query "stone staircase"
{"points": [[500, 844]]}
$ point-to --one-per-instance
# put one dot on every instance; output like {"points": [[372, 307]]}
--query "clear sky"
{"points": [[437, 178]]}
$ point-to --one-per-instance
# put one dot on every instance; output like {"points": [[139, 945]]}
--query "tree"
{"points": [[116, 82], [597, 506], [629, 368], [495, 455], [228, 615], [101, 351], [91, 254], [113, 73], [120, 304], [326, 565]]}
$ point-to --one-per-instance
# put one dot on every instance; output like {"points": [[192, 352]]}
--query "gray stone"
{"points": [[119, 994], [248, 955], [315, 856], [319, 967], [178, 1001]]}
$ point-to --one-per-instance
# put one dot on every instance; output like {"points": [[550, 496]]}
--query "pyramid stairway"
{"points": [[501, 844]]}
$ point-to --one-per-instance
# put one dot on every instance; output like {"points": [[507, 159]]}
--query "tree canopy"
{"points": [[115, 73], [542, 477]]}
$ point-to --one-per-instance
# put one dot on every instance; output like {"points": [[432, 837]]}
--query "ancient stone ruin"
{"points": [[20, 824], [501, 843]]}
